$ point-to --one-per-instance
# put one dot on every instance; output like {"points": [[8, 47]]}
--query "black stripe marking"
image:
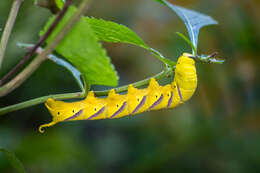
{"points": [[119, 110], [75, 115], [170, 100], [139, 105], [156, 102], [97, 113]]}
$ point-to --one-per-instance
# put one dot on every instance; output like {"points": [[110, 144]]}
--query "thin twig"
{"points": [[40, 41], [165, 73], [8, 28], [21, 77], [39, 100]]}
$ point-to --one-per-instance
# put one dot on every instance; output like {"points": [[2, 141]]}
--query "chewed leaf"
{"points": [[14, 161], [82, 48], [193, 20]]}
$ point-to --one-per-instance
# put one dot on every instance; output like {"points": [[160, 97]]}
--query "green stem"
{"points": [[162, 58], [194, 50], [8, 28], [21, 77], [165, 73], [39, 101]]}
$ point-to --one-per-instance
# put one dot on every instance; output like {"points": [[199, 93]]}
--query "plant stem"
{"points": [[166, 72], [40, 41], [21, 77], [39, 100], [8, 28], [162, 58], [194, 50]]}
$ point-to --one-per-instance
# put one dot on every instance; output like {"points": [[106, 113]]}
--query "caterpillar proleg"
{"points": [[135, 101]]}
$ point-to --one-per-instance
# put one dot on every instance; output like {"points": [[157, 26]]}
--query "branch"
{"points": [[37, 101], [40, 41], [8, 28], [165, 73], [21, 77]]}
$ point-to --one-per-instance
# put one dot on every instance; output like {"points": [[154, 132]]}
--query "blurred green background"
{"points": [[218, 130]]}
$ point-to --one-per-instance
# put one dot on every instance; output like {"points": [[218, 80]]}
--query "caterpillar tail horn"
{"points": [[46, 125]]}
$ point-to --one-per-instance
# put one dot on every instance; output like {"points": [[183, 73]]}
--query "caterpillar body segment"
{"points": [[186, 76], [135, 101]]}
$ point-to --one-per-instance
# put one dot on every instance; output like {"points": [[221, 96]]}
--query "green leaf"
{"points": [[160, 1], [116, 33], [14, 161], [82, 49], [60, 3], [193, 20]]}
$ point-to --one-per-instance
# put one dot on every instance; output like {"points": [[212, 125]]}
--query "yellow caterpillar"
{"points": [[135, 101]]}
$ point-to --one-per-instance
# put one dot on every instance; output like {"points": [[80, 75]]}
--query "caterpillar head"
{"points": [[185, 73], [186, 58], [61, 111], [185, 63]]}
